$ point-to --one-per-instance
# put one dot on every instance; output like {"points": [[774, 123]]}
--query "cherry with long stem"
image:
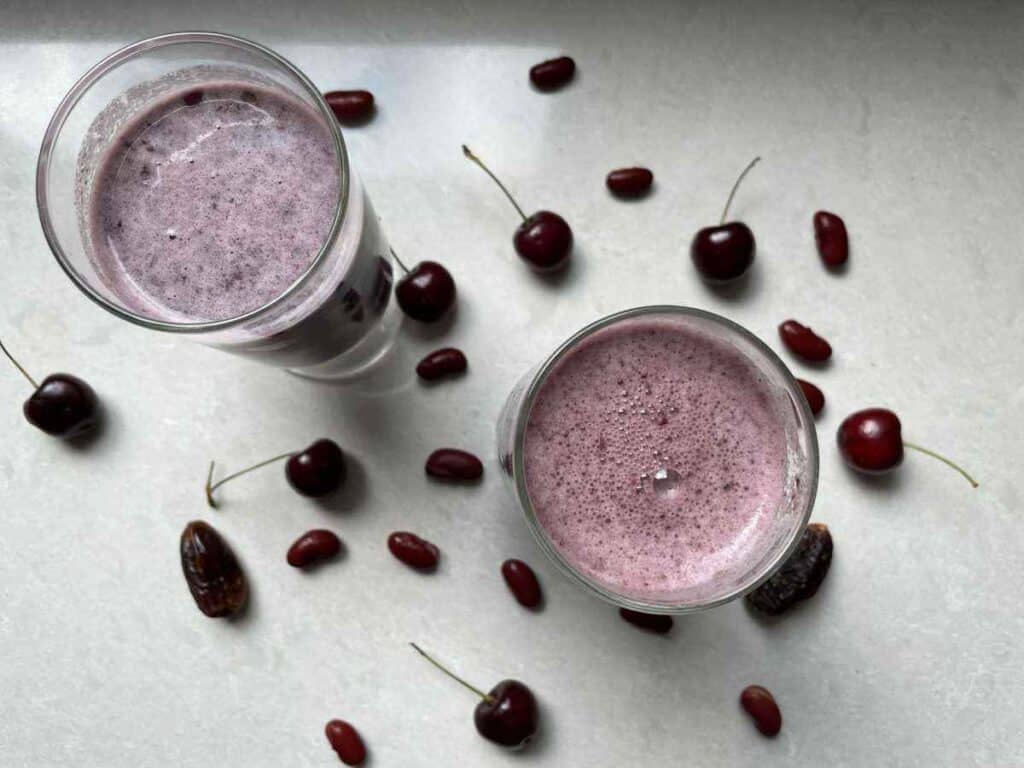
{"points": [[735, 186], [944, 460], [451, 674], [315, 471], [426, 292], [469, 153], [212, 486], [724, 252], [19, 366]]}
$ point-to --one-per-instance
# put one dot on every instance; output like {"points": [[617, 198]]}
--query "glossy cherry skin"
{"points": [[312, 547], [346, 741], [723, 253], [454, 464], [814, 396], [426, 292], [63, 406], [544, 241], [522, 582], [553, 73], [831, 238], [656, 623], [440, 363], [508, 716], [871, 441], [413, 551], [760, 705], [803, 342], [318, 470], [350, 106], [629, 182]]}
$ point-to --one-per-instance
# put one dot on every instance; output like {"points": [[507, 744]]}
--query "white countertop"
{"points": [[906, 122]]}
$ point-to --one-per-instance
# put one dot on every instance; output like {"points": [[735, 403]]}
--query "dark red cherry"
{"points": [[543, 240], [453, 464], [350, 106], [803, 342], [629, 182], [656, 623], [553, 73], [814, 396], [413, 551], [312, 547], [318, 470], [725, 252], [440, 363], [346, 741], [62, 405], [426, 292], [507, 715], [522, 582], [830, 235]]}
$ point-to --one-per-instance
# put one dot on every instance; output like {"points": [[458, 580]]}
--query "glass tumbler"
{"points": [[788, 520], [335, 321]]}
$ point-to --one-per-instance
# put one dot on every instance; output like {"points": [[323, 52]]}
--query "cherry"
{"points": [[426, 291], [350, 106], [803, 342], [830, 235], [724, 252], [522, 582], [453, 464], [629, 182], [62, 405], [553, 73], [544, 239], [871, 441], [441, 362], [312, 547], [814, 396], [507, 715], [346, 741], [315, 471], [652, 622], [760, 705], [413, 551]]}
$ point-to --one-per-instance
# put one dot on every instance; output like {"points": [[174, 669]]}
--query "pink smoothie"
{"points": [[212, 202], [655, 458]]}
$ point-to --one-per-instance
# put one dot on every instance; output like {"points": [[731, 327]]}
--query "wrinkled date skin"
{"points": [[212, 572], [760, 705], [800, 576]]}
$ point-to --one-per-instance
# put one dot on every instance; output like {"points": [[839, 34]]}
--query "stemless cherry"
{"points": [[724, 252], [814, 396], [350, 106], [346, 741], [553, 73], [413, 551], [522, 582], [760, 705], [312, 547], [315, 471], [441, 362], [453, 464], [544, 239], [426, 291], [62, 405], [651, 622], [629, 182], [803, 342], [871, 441], [507, 715], [830, 235]]}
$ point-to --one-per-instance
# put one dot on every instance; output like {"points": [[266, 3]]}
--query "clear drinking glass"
{"points": [[335, 321], [790, 518]]}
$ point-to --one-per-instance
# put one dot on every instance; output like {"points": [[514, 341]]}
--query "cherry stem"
{"points": [[944, 460], [735, 186], [211, 486], [469, 153], [395, 257], [450, 674], [18, 366]]}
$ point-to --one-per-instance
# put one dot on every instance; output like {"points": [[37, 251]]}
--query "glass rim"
{"points": [[111, 61], [806, 426]]}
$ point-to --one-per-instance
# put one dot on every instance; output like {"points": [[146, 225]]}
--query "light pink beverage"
{"points": [[655, 458]]}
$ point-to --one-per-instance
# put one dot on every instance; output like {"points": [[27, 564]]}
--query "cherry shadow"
{"points": [[886, 484], [749, 285], [352, 495], [105, 416]]}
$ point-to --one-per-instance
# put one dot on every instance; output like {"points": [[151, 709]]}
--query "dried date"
{"points": [[212, 572], [800, 576]]}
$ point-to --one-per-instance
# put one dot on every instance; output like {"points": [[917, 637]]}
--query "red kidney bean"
{"points": [[192, 98], [413, 551], [553, 73], [651, 622], [441, 362], [313, 546], [523, 582], [350, 106], [629, 182], [815, 397], [760, 705], [346, 741], [453, 464], [212, 572], [830, 235], [803, 342]]}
